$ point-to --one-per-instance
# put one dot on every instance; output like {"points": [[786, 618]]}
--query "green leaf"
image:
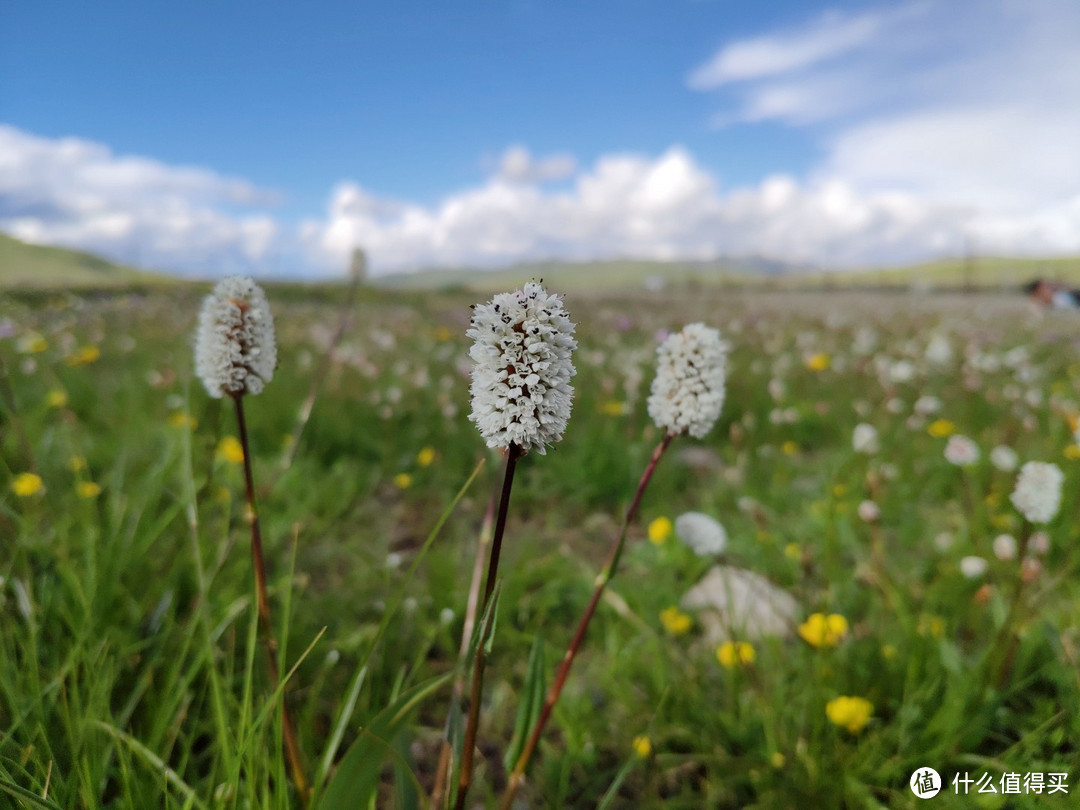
{"points": [[533, 693], [355, 783], [25, 795]]}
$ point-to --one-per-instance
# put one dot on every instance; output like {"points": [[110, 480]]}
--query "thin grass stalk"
{"points": [[13, 417], [292, 747], [517, 776], [483, 540], [1007, 642], [513, 452]]}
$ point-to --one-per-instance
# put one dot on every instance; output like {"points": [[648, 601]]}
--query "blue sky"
{"points": [[270, 137]]}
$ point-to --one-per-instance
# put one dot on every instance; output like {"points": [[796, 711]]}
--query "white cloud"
{"points": [[629, 205], [78, 193], [959, 102], [830, 36], [519, 166]]}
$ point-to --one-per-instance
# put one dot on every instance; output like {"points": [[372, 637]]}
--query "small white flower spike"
{"points": [[235, 353], [688, 391]]}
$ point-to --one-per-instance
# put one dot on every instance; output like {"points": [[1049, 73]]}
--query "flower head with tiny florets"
{"points": [[688, 391], [522, 346], [235, 353], [1037, 495]]}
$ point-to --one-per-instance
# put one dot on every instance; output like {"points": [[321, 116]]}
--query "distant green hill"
{"points": [[581, 277], [980, 271], [28, 266], [991, 271]]}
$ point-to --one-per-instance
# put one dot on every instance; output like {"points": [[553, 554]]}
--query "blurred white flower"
{"points": [[869, 511], [235, 352], [522, 346], [973, 567], [865, 439], [688, 391], [927, 404], [961, 451], [1039, 543], [1037, 495], [902, 371], [1004, 458], [1005, 547], [939, 350], [701, 533], [943, 542]]}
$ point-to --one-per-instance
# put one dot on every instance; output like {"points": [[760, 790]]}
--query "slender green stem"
{"points": [[292, 746], [517, 776], [513, 453], [483, 540]]}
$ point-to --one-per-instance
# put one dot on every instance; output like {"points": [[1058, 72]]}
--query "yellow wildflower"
{"points": [[889, 652], [1002, 522], [27, 484], [87, 489], [443, 334], [940, 428], [402, 480], [839, 490], [76, 464], [613, 407], [793, 551], [933, 626], [180, 419], [57, 398], [642, 746], [425, 456], [660, 530], [675, 621], [852, 713], [731, 654], [84, 356], [31, 343], [818, 362], [1072, 452], [789, 448], [777, 760], [229, 449], [820, 630]]}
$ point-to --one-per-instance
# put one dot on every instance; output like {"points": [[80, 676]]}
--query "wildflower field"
{"points": [[854, 574]]}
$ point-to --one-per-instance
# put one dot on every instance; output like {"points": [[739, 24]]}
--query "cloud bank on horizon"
{"points": [[939, 124]]}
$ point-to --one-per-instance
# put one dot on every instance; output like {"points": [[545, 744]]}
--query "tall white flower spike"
{"points": [[522, 347]]}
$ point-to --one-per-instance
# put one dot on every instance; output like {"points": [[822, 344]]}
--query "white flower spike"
{"points": [[1037, 495], [235, 353], [522, 347], [688, 391]]}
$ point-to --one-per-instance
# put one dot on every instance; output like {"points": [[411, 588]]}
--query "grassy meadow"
{"points": [[130, 675]]}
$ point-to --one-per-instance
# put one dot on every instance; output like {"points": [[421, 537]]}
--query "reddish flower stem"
{"points": [[517, 776], [513, 453], [292, 746]]}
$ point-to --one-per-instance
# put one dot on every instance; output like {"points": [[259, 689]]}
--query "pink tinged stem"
{"points": [[288, 730], [517, 776]]}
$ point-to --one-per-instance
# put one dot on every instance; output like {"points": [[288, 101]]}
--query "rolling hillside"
{"points": [[28, 266]]}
